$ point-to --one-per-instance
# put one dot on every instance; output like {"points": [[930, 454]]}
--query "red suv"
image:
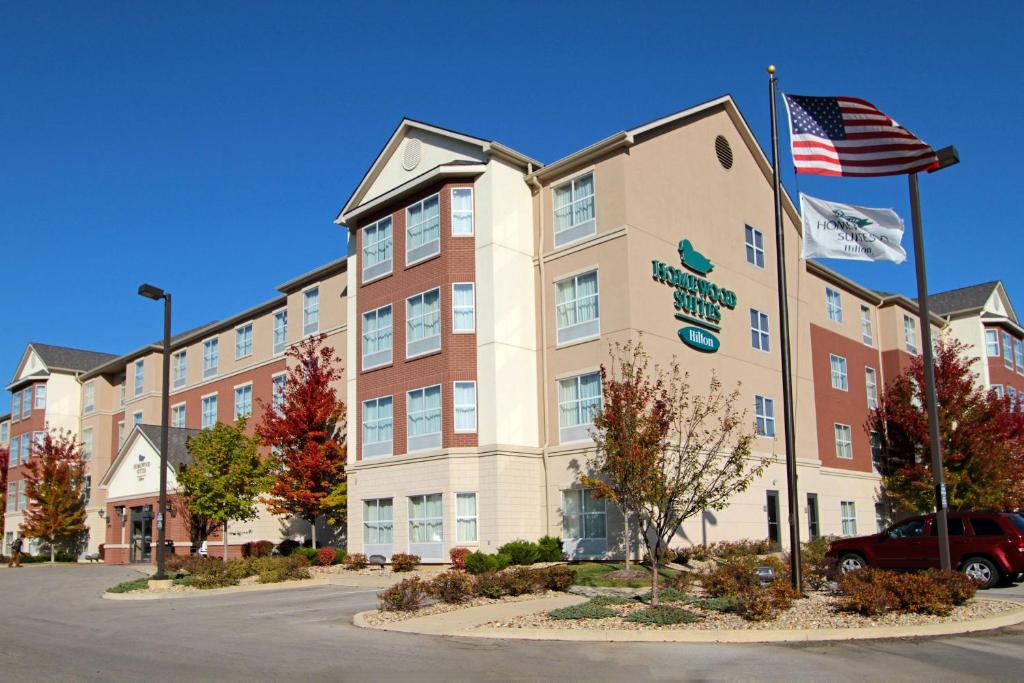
{"points": [[987, 546]]}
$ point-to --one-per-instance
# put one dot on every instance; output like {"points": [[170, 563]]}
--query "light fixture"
{"points": [[151, 292]]}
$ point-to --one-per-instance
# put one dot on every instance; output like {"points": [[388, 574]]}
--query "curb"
{"points": [[230, 590], [1010, 618]]}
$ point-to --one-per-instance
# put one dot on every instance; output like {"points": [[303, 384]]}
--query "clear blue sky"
{"points": [[206, 147]]}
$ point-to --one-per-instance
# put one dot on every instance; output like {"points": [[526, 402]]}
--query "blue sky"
{"points": [[206, 147]]}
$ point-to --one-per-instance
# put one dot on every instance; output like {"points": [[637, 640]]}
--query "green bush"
{"points": [[480, 563], [520, 552], [488, 585], [714, 604], [453, 586], [666, 594], [403, 562], [406, 595], [218, 574], [662, 615], [550, 549], [557, 577], [277, 569], [129, 586], [586, 610], [518, 581], [606, 600]]}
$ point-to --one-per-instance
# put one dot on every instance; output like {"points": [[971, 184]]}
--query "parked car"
{"points": [[987, 546]]}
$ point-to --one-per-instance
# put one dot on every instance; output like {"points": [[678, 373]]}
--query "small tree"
{"points": [[225, 477], [306, 434], [54, 489], [199, 527]]}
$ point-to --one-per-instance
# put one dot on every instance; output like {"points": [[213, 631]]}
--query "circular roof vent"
{"points": [[724, 152], [411, 155]]}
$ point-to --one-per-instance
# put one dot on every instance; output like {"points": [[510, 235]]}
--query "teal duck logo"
{"points": [[693, 259], [859, 221]]}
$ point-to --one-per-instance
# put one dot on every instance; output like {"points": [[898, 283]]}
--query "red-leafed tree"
{"points": [[54, 489], [306, 433], [4, 454], [982, 438]]}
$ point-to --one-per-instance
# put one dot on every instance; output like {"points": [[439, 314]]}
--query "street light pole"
{"points": [[151, 292]]}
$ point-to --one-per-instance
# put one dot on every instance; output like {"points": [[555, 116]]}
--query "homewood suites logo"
{"points": [[851, 228], [697, 300]]}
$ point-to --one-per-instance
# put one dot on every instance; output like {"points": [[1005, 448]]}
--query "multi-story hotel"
{"points": [[479, 296]]}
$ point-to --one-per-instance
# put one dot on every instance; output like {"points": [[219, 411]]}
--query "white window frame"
{"points": [[247, 345], [13, 451], [760, 331], [280, 316], [120, 434], [419, 258], [871, 387], [26, 403], [39, 402], [848, 517], [753, 240], [276, 396], [87, 443], [843, 376], [386, 266], [456, 406], [378, 524], [88, 397], [16, 406], [992, 343], [138, 377], [834, 309], [377, 449], [137, 418], [471, 211], [578, 331], [241, 388], [456, 308], [580, 431], [176, 409], [867, 332], [26, 447], [429, 440], [998, 388], [179, 361], [910, 334], [203, 401], [424, 547], [308, 327], [764, 416], [5, 431], [475, 517], [574, 232], [844, 440], [409, 341], [12, 503], [211, 350], [1018, 356], [583, 514], [383, 357]]}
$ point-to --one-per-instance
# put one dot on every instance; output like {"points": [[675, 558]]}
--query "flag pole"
{"points": [[787, 363]]}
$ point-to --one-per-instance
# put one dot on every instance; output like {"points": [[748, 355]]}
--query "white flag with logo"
{"points": [[833, 230]]}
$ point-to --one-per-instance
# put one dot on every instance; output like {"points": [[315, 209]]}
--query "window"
{"points": [[465, 518], [986, 526], [866, 333], [243, 341], [462, 211], [209, 358], [1018, 352], [137, 417], [139, 377], [26, 448], [377, 337], [998, 388], [759, 330], [910, 333], [41, 394], [764, 411], [120, 434], [87, 443], [992, 343], [1012, 393], [13, 451], [812, 516], [872, 387], [465, 407], [22, 495], [423, 413], [833, 305], [838, 366], [4, 432], [844, 441], [209, 413], [277, 390], [178, 415], [378, 529], [463, 307], [26, 403], [121, 388], [86, 489], [16, 406], [377, 246], [578, 398], [179, 363], [755, 246], [311, 311], [377, 427], [954, 524], [423, 323], [583, 515], [12, 499], [577, 310], [848, 514], [423, 230], [574, 210], [426, 525], [243, 401], [912, 528], [876, 450], [280, 331]]}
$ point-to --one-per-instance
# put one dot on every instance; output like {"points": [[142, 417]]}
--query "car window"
{"points": [[1018, 521], [956, 527], [986, 526], [912, 529]]}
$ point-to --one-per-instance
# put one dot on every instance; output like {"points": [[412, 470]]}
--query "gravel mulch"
{"points": [[381, 617]]}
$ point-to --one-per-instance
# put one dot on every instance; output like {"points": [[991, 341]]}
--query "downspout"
{"points": [[543, 357]]}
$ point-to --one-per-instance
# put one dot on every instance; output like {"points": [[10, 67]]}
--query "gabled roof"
{"points": [[969, 298], [177, 446], [67, 358]]}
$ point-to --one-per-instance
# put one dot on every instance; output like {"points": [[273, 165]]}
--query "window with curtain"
{"points": [[209, 412], [992, 343], [839, 377], [209, 358], [377, 245], [16, 403], [280, 331], [140, 373], [754, 241], [243, 401], [26, 403], [179, 369], [41, 395], [844, 441], [423, 230], [377, 427], [910, 333], [423, 417], [759, 337], [423, 323], [377, 337], [243, 341], [311, 311], [378, 523], [848, 512], [578, 398], [178, 415], [574, 210], [87, 443], [764, 413], [833, 305], [462, 211], [426, 525], [13, 451], [463, 307], [583, 515], [872, 387], [866, 333], [465, 406], [577, 310], [1018, 353], [465, 518]]}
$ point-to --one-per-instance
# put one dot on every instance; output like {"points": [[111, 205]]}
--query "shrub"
{"points": [[555, 578], [961, 589], [767, 602], [816, 569], [731, 577], [488, 585], [286, 546], [480, 563], [667, 594], [662, 615], [587, 610], [520, 552], [866, 592], [453, 586], [218, 574], [325, 556], [257, 549], [605, 600], [458, 557], [403, 562], [355, 561], [550, 549], [310, 554], [277, 569], [518, 581], [129, 586], [875, 591], [728, 549], [683, 581], [405, 596]]}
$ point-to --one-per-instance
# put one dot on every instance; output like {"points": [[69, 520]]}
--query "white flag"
{"points": [[845, 231]]}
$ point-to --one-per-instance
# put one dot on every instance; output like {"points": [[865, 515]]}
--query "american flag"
{"points": [[848, 136]]}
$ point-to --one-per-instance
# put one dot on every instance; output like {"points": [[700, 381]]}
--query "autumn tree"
{"points": [[704, 459], [54, 490], [981, 433], [225, 477], [4, 455], [306, 433], [198, 526]]}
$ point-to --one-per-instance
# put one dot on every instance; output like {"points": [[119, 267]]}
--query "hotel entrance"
{"points": [[141, 549]]}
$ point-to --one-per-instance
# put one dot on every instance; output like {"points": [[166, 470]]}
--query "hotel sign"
{"points": [[698, 301]]}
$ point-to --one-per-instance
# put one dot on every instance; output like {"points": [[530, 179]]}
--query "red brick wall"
{"points": [[456, 361], [36, 422]]}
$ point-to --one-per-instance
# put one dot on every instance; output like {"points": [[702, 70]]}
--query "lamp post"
{"points": [[155, 293]]}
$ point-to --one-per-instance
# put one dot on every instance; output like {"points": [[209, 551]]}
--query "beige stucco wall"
{"points": [[434, 151]]}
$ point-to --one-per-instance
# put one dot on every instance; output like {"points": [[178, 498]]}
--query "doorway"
{"points": [[773, 520], [141, 549]]}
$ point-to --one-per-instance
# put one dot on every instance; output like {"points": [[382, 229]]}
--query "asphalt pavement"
{"points": [[55, 626]]}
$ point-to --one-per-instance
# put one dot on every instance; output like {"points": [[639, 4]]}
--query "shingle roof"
{"points": [[962, 299], [66, 358], [177, 442]]}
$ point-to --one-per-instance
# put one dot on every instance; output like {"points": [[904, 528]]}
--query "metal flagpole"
{"points": [[787, 363]]}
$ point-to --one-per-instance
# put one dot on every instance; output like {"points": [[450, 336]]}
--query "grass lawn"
{"points": [[596, 574]]}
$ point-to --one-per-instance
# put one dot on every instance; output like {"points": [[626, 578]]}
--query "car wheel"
{"points": [[982, 570], [851, 562]]}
